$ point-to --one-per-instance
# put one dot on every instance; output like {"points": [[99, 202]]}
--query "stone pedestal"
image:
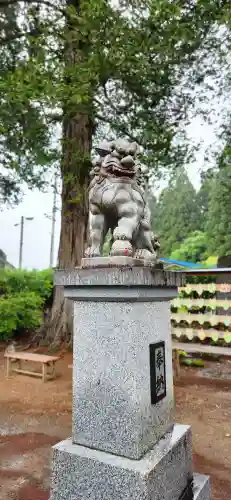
{"points": [[124, 444]]}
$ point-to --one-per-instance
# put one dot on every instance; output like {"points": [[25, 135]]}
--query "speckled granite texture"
{"points": [[130, 276], [80, 473], [112, 408], [110, 261], [126, 448]]}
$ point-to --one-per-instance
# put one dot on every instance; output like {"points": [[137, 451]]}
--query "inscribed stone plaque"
{"points": [[157, 372]]}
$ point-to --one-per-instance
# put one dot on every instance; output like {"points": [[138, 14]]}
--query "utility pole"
{"points": [[21, 242], [53, 220]]}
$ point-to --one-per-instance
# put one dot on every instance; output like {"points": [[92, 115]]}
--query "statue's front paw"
{"points": [[143, 253], [92, 252], [119, 235]]}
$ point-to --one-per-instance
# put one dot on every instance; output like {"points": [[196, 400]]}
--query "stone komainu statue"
{"points": [[117, 202]]}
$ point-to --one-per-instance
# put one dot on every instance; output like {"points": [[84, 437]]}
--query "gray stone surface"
{"points": [[202, 490], [129, 277], [112, 408], [119, 294], [80, 473], [119, 261]]}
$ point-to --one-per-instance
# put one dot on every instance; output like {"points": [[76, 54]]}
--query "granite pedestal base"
{"points": [[120, 315], [112, 408], [164, 473], [201, 488], [124, 445]]}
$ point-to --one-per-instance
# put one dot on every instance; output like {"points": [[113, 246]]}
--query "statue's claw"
{"points": [[92, 252], [145, 254]]}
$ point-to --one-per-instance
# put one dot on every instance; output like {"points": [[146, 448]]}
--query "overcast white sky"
{"points": [[37, 233]]}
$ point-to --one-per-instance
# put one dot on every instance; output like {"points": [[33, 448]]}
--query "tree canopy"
{"points": [[24, 144], [121, 64]]}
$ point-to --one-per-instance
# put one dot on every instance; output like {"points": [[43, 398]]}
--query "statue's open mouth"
{"points": [[120, 172], [115, 168]]}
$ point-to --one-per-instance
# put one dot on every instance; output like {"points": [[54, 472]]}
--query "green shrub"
{"points": [[17, 280], [188, 360], [22, 298], [19, 313]]}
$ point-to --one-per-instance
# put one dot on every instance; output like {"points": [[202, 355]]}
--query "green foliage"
{"points": [[203, 195], [120, 65], [17, 281], [182, 353], [152, 202], [19, 312], [177, 213], [193, 248], [218, 226], [211, 261], [201, 279], [24, 139], [107, 245], [191, 226], [22, 298], [188, 361]]}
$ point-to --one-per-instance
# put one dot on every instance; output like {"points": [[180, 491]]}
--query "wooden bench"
{"points": [[46, 361], [199, 348]]}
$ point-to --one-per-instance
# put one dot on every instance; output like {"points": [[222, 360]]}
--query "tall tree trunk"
{"points": [[74, 217], [77, 143], [75, 178]]}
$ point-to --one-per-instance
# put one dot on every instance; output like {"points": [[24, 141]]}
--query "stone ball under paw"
{"points": [[122, 247]]}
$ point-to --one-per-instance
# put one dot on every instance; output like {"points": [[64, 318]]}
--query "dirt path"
{"points": [[34, 416], [206, 406]]}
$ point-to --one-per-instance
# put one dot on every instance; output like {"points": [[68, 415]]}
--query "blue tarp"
{"points": [[181, 263]]}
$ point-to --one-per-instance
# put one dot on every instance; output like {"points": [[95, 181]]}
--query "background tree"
{"points": [[207, 178], [177, 213], [24, 142], [218, 225], [193, 248]]}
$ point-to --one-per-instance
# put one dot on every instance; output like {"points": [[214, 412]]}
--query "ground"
{"points": [[34, 416]]}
